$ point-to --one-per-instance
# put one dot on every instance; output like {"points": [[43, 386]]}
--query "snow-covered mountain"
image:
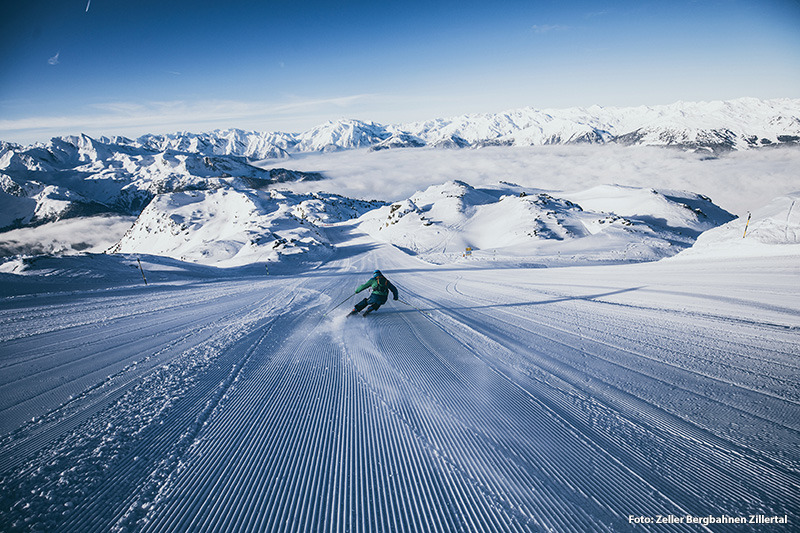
{"points": [[331, 136], [715, 126], [608, 223], [76, 176], [340, 135], [232, 227], [179, 183]]}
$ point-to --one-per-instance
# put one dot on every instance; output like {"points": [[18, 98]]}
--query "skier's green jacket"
{"points": [[380, 286]]}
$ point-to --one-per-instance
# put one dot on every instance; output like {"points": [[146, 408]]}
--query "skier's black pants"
{"points": [[374, 300]]}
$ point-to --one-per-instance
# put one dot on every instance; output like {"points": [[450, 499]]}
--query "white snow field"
{"points": [[491, 397]]}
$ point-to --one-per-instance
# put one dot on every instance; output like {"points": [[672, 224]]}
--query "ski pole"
{"points": [[337, 305], [414, 306]]}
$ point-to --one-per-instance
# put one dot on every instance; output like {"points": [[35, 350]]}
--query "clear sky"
{"points": [[125, 67]]}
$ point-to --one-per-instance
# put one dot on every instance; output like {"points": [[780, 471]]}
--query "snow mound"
{"points": [[772, 230], [454, 220]]}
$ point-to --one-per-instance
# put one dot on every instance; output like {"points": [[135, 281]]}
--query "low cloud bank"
{"points": [[86, 234], [739, 182]]}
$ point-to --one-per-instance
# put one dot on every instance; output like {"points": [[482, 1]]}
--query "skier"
{"points": [[380, 293]]}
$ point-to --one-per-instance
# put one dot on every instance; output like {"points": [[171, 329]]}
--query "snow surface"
{"points": [[232, 227], [491, 397]]}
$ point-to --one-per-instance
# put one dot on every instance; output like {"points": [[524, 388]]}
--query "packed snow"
{"points": [[564, 356], [490, 397]]}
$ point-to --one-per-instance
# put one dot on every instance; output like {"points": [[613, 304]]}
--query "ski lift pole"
{"points": [[141, 270], [746, 224]]}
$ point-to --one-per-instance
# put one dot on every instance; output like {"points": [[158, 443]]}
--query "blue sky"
{"points": [[124, 67]]}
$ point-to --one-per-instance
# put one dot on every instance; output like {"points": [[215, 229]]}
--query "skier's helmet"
{"points": [[376, 274]]}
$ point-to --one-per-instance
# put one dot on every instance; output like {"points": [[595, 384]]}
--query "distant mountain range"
{"points": [[76, 176], [714, 126]]}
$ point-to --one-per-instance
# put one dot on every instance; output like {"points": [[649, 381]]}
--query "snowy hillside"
{"points": [[80, 176], [608, 223], [238, 226], [771, 230], [233, 227]]}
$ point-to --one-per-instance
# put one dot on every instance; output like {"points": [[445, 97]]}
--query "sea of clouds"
{"points": [[738, 181]]}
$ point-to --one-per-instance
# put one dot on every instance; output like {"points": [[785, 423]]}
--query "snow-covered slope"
{"points": [[678, 211], [771, 230], [609, 223], [232, 227]]}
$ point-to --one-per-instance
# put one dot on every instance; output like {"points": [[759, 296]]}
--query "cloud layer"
{"points": [[739, 182]]}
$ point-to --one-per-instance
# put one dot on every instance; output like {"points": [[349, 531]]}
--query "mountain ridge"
{"points": [[716, 126]]}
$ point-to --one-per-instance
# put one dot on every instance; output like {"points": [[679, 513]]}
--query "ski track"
{"points": [[472, 405]]}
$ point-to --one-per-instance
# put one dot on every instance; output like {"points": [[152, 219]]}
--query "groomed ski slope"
{"points": [[490, 398]]}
